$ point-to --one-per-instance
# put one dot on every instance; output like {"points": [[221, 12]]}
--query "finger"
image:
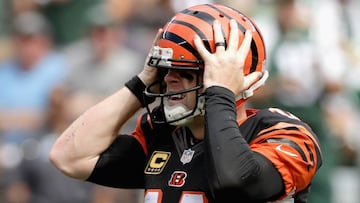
{"points": [[156, 39], [234, 35], [251, 78], [245, 45], [159, 32], [218, 36], [148, 60], [204, 53]]}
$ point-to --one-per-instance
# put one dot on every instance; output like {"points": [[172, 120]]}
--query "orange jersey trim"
{"points": [[296, 172], [138, 134]]}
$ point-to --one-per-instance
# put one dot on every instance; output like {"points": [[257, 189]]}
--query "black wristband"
{"points": [[137, 87]]}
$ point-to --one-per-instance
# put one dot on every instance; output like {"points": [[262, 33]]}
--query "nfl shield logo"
{"points": [[187, 156]]}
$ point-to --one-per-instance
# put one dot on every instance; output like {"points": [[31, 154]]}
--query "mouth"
{"points": [[175, 99]]}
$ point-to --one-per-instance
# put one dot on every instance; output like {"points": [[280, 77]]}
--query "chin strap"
{"points": [[250, 91]]}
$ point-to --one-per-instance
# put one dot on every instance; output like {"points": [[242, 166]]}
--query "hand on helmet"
{"points": [[225, 66], [149, 74]]}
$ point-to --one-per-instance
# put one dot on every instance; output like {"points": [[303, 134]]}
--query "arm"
{"points": [[234, 168], [78, 148], [233, 163]]}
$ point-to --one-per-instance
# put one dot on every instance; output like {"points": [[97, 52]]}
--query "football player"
{"points": [[197, 142]]}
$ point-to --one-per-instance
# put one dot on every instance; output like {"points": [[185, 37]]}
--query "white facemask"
{"points": [[178, 111]]}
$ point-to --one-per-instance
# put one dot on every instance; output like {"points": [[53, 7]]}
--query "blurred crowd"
{"points": [[59, 57]]}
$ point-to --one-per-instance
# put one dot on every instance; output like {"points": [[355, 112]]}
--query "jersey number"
{"points": [[155, 196]]}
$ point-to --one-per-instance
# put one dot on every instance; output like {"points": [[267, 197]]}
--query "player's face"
{"points": [[178, 80]]}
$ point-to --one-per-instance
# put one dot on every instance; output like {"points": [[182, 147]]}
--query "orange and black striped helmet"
{"points": [[180, 30], [175, 49]]}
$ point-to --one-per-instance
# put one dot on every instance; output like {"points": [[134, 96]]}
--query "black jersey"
{"points": [[171, 165]]}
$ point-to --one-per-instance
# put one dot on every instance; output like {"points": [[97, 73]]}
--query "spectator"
{"points": [[26, 82], [36, 180], [340, 48], [99, 65], [99, 62], [27, 79]]}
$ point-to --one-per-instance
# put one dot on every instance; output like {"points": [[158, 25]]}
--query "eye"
{"points": [[187, 75], [162, 72]]}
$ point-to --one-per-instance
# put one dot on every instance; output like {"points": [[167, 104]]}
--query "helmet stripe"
{"points": [[180, 41], [196, 30], [201, 15], [254, 56], [207, 17], [227, 16], [253, 46], [254, 51]]}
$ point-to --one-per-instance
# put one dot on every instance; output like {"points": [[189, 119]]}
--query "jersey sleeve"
{"points": [[122, 164], [292, 148], [234, 169]]}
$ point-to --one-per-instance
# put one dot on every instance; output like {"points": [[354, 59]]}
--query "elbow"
{"points": [[237, 176], [64, 164], [251, 176], [56, 159]]}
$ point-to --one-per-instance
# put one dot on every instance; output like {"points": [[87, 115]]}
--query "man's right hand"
{"points": [[149, 74]]}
